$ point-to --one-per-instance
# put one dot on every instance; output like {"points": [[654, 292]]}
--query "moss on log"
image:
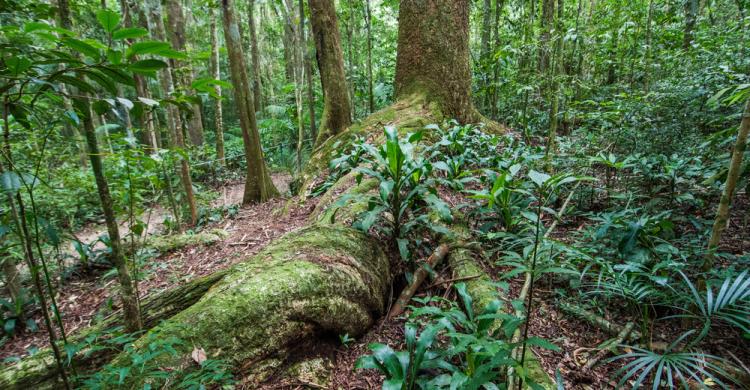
{"points": [[40, 371], [319, 280]]}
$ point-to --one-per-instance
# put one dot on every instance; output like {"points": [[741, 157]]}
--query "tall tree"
{"points": [[141, 85], [691, 14], [336, 103], [433, 55], [368, 26], [258, 184], [216, 74], [308, 70], [733, 175], [255, 54], [183, 72], [175, 126]]}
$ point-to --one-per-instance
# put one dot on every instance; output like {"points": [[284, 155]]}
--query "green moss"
{"points": [[317, 280], [316, 371], [170, 243]]}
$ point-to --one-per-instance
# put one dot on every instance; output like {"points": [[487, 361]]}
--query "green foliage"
{"points": [[458, 347]]}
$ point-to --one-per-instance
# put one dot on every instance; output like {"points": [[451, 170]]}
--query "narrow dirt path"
{"points": [[83, 298]]}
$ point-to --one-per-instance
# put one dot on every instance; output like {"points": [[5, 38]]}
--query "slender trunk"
{"points": [[288, 40], [173, 115], [336, 103], [141, 85], [499, 4], [548, 18], [117, 256], [308, 75], [368, 25], [258, 185], [255, 54], [649, 49], [691, 14], [183, 72], [216, 74], [735, 168]]}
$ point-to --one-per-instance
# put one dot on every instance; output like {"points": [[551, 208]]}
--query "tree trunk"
{"points": [[433, 55], [548, 18], [216, 74], [255, 54], [308, 72], [258, 185], [117, 256], [141, 85], [691, 13], [336, 104], [368, 25], [735, 168], [173, 115], [178, 38]]}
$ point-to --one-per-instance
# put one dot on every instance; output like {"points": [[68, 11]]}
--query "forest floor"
{"points": [[87, 296]]}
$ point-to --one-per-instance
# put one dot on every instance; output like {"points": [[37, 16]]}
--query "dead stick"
{"points": [[419, 276], [613, 345], [461, 279]]}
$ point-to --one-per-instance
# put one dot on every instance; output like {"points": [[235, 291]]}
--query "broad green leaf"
{"points": [[129, 33], [147, 47], [109, 20], [10, 182], [17, 65], [538, 178], [82, 47], [147, 67]]}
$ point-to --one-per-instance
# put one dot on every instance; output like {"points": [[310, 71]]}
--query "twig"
{"points": [[612, 345]]}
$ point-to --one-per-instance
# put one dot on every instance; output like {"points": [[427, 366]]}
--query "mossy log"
{"points": [[322, 279], [40, 371]]}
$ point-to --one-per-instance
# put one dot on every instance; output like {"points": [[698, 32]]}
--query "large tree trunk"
{"points": [[336, 104], [258, 184], [326, 278], [433, 55]]}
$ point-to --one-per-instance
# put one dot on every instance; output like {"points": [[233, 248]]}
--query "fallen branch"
{"points": [[621, 337], [419, 276], [454, 280], [597, 321]]}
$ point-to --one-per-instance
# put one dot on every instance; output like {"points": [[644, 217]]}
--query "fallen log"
{"points": [[597, 321]]}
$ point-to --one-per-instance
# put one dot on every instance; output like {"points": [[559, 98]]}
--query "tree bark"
{"points": [[691, 14], [258, 185], [141, 85], [368, 25], [308, 72], [173, 115], [178, 38], [735, 167], [433, 55], [336, 103], [216, 74], [127, 292], [255, 54]]}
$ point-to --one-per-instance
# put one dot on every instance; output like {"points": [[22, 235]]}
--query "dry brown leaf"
{"points": [[199, 355]]}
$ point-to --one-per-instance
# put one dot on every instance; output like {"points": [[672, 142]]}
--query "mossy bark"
{"points": [[322, 279], [336, 104], [40, 371]]}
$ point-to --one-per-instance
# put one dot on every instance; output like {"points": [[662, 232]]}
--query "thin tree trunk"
{"points": [[336, 104], [735, 168], [691, 13], [368, 25], [178, 38], [548, 18], [255, 54], [173, 114], [216, 74], [647, 60], [117, 256], [258, 185], [308, 74], [141, 85]]}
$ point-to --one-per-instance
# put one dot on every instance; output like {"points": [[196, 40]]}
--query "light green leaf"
{"points": [[108, 19]]}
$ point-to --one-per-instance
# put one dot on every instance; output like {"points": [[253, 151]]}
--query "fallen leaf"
{"points": [[199, 355]]}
